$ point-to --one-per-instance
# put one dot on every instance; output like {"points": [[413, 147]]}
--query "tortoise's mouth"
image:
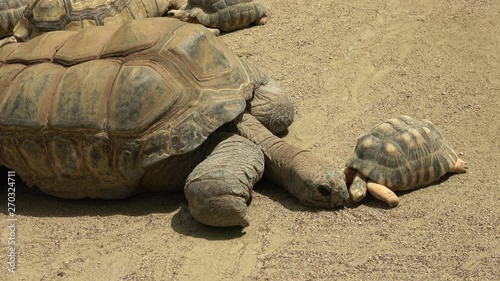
{"points": [[328, 196]]}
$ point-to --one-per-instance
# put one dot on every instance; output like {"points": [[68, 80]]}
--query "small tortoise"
{"points": [[49, 15], [114, 110], [400, 154], [11, 11], [219, 15]]}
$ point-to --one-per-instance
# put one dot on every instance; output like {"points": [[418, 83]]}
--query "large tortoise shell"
{"points": [[50, 15], [107, 102], [403, 153]]}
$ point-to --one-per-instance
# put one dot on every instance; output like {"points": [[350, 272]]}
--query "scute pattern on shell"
{"points": [[10, 13], [49, 15], [227, 15], [403, 153], [100, 105]]}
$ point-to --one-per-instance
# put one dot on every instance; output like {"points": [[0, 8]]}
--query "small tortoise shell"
{"points": [[403, 153]]}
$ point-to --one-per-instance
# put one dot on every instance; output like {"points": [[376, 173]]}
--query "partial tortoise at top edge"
{"points": [[41, 16], [223, 16]]}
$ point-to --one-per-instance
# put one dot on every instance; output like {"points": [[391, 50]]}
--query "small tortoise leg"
{"points": [[261, 21], [219, 189], [460, 166], [8, 40], [382, 193], [357, 189]]}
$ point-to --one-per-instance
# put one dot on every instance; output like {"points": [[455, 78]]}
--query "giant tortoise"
{"points": [[399, 154], [153, 104], [49, 15]]}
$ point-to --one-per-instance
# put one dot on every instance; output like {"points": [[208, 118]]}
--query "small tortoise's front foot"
{"points": [[219, 189], [8, 40], [382, 193], [357, 189], [460, 166]]}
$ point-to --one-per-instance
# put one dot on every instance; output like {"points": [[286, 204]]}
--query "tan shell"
{"points": [[49, 15], [10, 13], [403, 153], [226, 15], [100, 105]]}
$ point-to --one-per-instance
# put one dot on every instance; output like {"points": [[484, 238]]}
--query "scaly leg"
{"points": [[219, 189], [460, 166], [357, 189]]}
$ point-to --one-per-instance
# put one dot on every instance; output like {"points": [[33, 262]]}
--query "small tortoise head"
{"points": [[316, 183]]}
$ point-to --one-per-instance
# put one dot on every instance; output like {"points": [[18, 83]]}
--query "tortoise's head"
{"points": [[317, 183]]}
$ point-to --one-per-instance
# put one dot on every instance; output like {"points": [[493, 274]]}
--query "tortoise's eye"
{"points": [[324, 189]]}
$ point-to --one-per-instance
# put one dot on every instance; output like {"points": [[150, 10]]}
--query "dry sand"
{"points": [[348, 65]]}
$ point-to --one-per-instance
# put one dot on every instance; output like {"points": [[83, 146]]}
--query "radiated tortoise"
{"points": [[400, 154]]}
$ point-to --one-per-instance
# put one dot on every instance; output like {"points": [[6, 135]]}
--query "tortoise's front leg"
{"points": [[357, 184], [382, 193], [219, 189], [272, 106]]}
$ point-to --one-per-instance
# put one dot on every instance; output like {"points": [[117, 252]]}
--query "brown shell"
{"points": [[403, 153], [92, 109], [226, 15], [50, 15], [10, 13]]}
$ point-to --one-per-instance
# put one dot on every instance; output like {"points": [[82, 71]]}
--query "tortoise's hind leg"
{"points": [[261, 21], [460, 166], [219, 189], [382, 193]]}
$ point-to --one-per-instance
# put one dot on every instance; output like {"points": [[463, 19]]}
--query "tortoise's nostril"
{"points": [[324, 189]]}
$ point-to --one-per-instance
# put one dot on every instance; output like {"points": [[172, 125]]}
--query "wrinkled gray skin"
{"points": [[218, 176]]}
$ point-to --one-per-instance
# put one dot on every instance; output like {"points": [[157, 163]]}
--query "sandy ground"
{"points": [[348, 65]]}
